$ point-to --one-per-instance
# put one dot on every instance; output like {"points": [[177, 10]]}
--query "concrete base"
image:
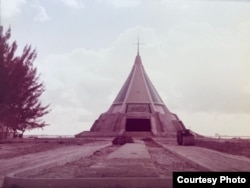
{"points": [[114, 124], [139, 134]]}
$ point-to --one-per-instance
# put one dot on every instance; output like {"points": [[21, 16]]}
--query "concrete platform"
{"points": [[131, 151]]}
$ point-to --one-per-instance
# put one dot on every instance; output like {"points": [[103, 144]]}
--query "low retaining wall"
{"points": [[16, 182]]}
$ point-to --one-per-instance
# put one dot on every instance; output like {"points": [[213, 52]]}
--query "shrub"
{"points": [[60, 142], [148, 139], [121, 140]]}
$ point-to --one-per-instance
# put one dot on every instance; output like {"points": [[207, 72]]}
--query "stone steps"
{"points": [[139, 134]]}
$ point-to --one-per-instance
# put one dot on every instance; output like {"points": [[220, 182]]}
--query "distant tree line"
{"points": [[20, 89]]}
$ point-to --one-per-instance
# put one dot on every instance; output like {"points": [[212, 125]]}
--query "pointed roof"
{"points": [[138, 89]]}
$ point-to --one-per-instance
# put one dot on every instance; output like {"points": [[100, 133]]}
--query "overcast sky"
{"points": [[196, 53]]}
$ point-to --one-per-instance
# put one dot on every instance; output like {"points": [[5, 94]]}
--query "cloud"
{"points": [[83, 84], [41, 15], [11, 8], [203, 69], [123, 3], [71, 88], [197, 59], [198, 74], [73, 3]]}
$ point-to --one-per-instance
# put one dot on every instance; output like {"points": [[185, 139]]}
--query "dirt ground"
{"points": [[13, 148], [99, 165], [18, 147]]}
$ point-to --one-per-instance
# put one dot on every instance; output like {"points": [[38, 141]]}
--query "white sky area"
{"points": [[196, 53]]}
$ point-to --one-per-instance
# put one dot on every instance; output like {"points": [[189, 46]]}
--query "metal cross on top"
{"points": [[138, 45]]}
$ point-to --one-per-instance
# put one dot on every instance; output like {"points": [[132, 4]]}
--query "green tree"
{"points": [[20, 89]]}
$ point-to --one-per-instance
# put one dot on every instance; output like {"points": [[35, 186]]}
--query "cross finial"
{"points": [[138, 45]]}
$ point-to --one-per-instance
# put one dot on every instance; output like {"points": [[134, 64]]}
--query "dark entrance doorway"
{"points": [[138, 125]]}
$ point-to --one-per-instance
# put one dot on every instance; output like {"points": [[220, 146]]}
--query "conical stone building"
{"points": [[138, 110]]}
